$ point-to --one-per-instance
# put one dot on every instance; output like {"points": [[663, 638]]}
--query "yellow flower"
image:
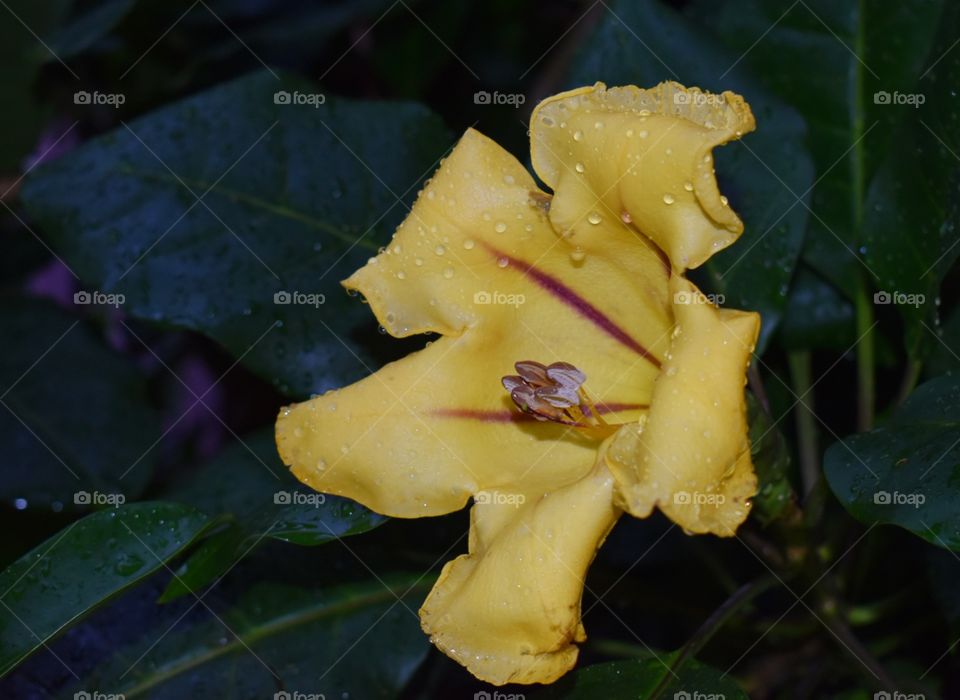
{"points": [[647, 409]]}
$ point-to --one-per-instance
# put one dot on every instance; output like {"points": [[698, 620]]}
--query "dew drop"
{"points": [[500, 227], [502, 262], [468, 244], [577, 135], [579, 167], [439, 250], [688, 186], [448, 273], [401, 275], [594, 218], [577, 255], [668, 198]]}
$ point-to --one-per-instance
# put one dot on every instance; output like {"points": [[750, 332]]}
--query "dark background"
{"points": [[170, 395]]}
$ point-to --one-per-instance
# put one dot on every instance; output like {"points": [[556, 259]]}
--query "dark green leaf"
{"points": [[907, 472], [249, 484], [818, 314], [644, 43], [356, 641], [74, 417], [86, 564], [294, 198], [638, 678], [913, 207], [771, 460], [945, 356], [827, 60]]}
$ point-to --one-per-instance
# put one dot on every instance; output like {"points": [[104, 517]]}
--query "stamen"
{"points": [[553, 393]]}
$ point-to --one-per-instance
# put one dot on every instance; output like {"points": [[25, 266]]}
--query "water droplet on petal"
{"points": [[668, 198]]}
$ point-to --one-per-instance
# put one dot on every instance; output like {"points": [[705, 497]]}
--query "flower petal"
{"points": [[691, 456], [421, 434], [644, 155], [510, 609]]}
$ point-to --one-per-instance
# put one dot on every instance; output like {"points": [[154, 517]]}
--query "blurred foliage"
{"points": [[161, 549]]}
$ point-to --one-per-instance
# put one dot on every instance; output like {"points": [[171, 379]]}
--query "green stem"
{"points": [[801, 374], [910, 377], [742, 597], [866, 394]]}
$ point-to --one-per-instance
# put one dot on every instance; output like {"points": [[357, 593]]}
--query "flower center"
{"points": [[553, 393]]}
